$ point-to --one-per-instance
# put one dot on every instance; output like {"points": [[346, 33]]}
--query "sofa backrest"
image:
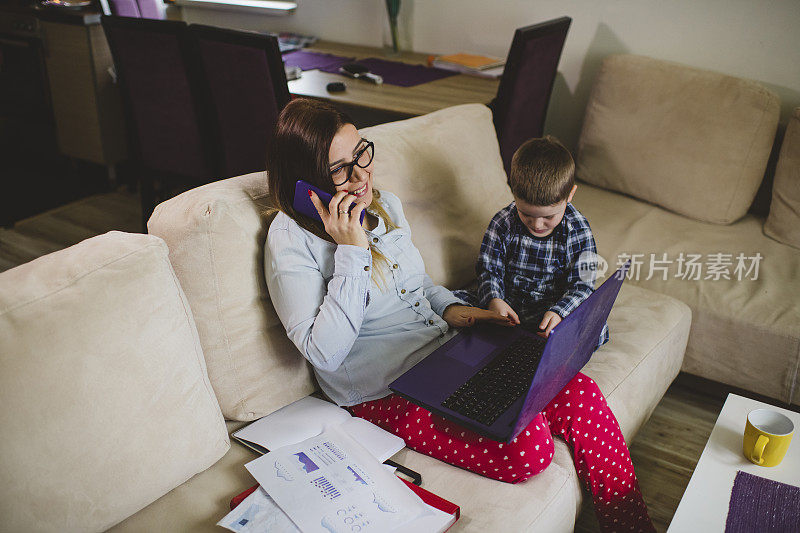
{"points": [[445, 167], [693, 141], [783, 222], [215, 234], [105, 403]]}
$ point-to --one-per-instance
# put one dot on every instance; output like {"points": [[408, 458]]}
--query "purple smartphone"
{"points": [[302, 203]]}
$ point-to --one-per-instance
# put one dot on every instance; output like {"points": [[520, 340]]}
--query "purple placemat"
{"points": [[759, 504], [315, 60], [403, 74]]}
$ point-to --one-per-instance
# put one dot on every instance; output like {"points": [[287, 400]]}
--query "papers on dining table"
{"points": [[328, 484]]}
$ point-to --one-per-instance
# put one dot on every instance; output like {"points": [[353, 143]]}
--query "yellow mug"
{"points": [[766, 437]]}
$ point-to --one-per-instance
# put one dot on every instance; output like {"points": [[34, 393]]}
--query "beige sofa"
{"points": [[122, 356], [671, 158]]}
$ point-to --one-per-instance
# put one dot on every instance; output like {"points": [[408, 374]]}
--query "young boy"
{"points": [[538, 257]]}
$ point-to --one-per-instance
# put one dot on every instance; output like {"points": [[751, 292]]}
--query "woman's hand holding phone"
{"points": [[342, 224]]}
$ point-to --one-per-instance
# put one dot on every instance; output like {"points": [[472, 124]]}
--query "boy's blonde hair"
{"points": [[542, 172]]}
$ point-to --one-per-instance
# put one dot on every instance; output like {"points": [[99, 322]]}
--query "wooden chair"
{"points": [[244, 90], [168, 135], [520, 106]]}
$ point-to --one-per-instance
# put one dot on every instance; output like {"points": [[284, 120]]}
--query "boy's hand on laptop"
{"points": [[464, 316], [500, 306], [549, 321]]}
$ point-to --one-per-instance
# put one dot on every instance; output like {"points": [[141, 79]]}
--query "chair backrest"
{"points": [[124, 8], [245, 89], [156, 74], [148, 9], [152, 9], [524, 92]]}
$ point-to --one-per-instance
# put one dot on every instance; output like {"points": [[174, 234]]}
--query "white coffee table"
{"points": [[704, 505]]}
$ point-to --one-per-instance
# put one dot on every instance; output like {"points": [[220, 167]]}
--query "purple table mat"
{"points": [[315, 60], [403, 74], [392, 72], [759, 504]]}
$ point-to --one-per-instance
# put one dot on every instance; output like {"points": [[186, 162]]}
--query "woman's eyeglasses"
{"points": [[342, 173]]}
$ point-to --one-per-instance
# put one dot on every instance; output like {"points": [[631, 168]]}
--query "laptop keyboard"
{"points": [[487, 394]]}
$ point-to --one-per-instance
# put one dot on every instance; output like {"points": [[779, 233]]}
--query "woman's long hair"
{"points": [[299, 151]]}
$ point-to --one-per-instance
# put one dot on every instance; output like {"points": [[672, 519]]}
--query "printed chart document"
{"points": [[258, 513], [331, 484], [309, 417]]}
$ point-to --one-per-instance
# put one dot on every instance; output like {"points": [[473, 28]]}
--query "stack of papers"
{"points": [[308, 418], [330, 484], [289, 42], [472, 64]]}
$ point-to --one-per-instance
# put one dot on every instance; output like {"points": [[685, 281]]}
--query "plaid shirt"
{"points": [[534, 275]]}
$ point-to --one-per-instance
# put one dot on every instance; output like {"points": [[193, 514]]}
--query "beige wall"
{"points": [[752, 39]]}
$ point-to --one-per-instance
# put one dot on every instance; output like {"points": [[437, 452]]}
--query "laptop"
{"points": [[494, 380]]}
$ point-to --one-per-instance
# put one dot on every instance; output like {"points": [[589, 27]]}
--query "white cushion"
{"points": [[691, 140], [649, 332], [106, 404], [446, 168], [215, 234]]}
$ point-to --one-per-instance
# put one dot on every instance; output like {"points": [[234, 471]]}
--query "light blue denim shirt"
{"points": [[358, 336]]}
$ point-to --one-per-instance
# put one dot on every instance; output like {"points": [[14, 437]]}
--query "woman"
{"points": [[356, 301]]}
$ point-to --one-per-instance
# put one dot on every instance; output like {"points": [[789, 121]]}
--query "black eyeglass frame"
{"points": [[349, 166]]}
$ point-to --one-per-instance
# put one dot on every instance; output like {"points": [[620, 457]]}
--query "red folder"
{"points": [[426, 496], [239, 497], [433, 500]]}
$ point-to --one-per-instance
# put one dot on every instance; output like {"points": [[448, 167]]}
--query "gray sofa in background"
{"points": [[670, 159]]}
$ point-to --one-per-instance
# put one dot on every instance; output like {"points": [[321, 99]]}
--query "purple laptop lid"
{"points": [[569, 347]]}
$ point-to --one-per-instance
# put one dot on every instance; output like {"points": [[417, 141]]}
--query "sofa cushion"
{"points": [[783, 222], [106, 404], [744, 332], [215, 234], [549, 501], [446, 168], [649, 332], [693, 141], [197, 505]]}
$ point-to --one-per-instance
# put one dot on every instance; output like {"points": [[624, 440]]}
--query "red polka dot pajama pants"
{"points": [[579, 414]]}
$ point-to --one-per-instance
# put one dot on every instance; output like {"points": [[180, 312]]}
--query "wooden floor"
{"points": [[68, 225], [664, 452]]}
